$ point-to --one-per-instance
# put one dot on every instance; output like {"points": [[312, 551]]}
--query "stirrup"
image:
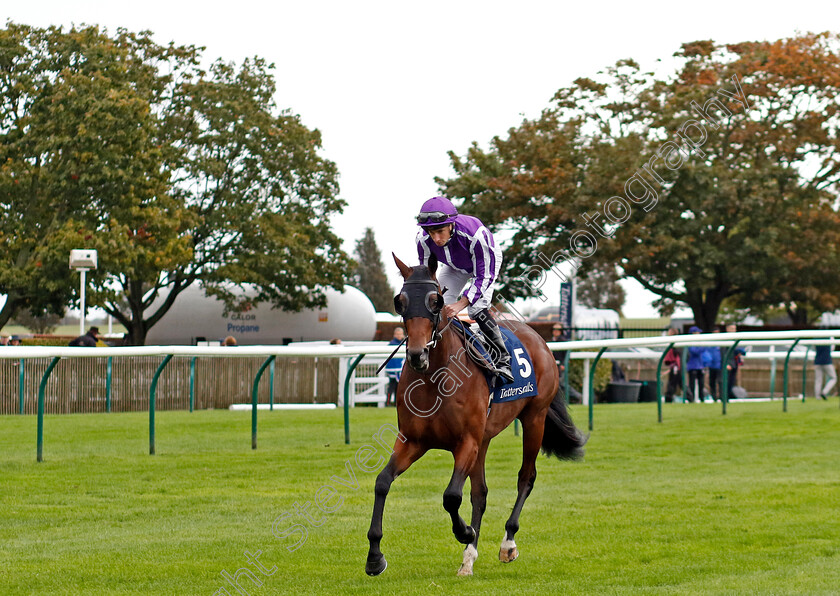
{"points": [[505, 373]]}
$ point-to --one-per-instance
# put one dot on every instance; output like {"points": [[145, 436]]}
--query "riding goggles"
{"points": [[427, 217]]}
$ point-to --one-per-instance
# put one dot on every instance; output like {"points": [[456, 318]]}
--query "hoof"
{"points": [[508, 555], [468, 537], [376, 566], [470, 555]]}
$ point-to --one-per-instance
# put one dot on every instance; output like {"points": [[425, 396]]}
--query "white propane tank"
{"points": [[195, 316]]}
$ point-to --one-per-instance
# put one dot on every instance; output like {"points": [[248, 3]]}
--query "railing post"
{"points": [[254, 397], [21, 384], [724, 390], [566, 358], [41, 389], [108, 376], [787, 370], [349, 374], [592, 386], [271, 385], [659, 381], [192, 383], [152, 394], [805, 371]]}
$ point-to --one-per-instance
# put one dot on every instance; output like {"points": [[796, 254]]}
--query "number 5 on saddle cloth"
{"points": [[524, 383]]}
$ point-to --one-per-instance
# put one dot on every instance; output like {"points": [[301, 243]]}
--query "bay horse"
{"points": [[442, 403]]}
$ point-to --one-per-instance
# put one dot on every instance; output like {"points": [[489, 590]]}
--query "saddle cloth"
{"points": [[525, 382]]}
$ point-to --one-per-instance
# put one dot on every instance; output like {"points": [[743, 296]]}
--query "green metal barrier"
{"points": [[21, 384], [805, 371], [192, 383], [254, 396], [152, 395], [41, 389], [271, 384], [108, 371], [659, 381], [592, 386], [566, 374], [350, 370], [787, 370]]}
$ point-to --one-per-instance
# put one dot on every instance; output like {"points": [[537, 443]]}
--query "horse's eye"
{"points": [[400, 303], [434, 302]]}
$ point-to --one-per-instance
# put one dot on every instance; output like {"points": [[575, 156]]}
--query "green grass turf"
{"points": [[701, 504]]}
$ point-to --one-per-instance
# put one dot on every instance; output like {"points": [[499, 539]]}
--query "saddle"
{"points": [[476, 347], [525, 381]]}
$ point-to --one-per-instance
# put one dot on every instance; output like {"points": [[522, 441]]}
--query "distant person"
{"points": [[559, 355], [4, 340], [229, 341], [672, 361], [394, 368], [88, 340], [335, 341], [735, 362], [14, 340], [824, 366], [617, 373], [697, 361]]}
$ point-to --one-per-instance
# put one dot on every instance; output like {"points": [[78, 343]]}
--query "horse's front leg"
{"points": [[478, 497], [403, 456], [465, 456]]}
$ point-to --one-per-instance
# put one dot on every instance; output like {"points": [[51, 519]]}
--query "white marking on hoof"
{"points": [[508, 551], [470, 555]]}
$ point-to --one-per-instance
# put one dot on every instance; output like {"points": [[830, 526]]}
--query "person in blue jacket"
{"points": [[698, 358], [394, 368]]}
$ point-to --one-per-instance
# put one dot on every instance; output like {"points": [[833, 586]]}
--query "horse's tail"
{"points": [[562, 438]]}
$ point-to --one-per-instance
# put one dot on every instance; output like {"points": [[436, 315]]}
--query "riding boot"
{"points": [[501, 357]]}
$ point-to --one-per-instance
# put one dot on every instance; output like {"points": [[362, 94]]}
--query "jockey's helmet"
{"points": [[437, 211]]}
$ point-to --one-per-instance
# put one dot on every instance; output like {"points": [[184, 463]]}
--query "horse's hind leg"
{"points": [[532, 432], [478, 497], [465, 456], [403, 456]]}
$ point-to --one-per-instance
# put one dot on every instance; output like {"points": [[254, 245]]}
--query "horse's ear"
{"points": [[433, 263], [405, 270]]}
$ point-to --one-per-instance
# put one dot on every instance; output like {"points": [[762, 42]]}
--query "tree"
{"points": [[37, 324], [600, 289], [370, 273], [74, 130], [717, 182], [257, 199], [175, 175]]}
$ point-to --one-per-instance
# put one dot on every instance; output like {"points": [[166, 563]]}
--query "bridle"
{"points": [[425, 309]]}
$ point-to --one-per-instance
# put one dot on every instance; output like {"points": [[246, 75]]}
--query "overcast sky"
{"points": [[393, 86]]}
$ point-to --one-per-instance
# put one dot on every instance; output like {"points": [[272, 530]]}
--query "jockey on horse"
{"points": [[470, 261]]}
